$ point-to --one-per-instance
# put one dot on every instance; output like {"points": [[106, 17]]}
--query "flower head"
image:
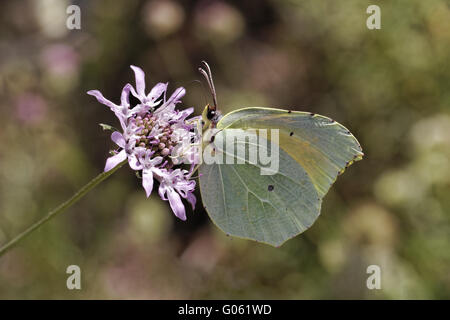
{"points": [[155, 139]]}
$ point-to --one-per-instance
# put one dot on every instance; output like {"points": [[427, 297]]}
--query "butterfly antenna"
{"points": [[205, 74], [208, 76]]}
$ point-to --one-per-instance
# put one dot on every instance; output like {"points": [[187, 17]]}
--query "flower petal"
{"points": [[100, 98], [113, 161], [157, 91], [176, 204], [183, 114], [172, 101], [122, 120], [155, 161], [177, 95], [118, 138], [147, 181], [192, 200], [162, 190], [134, 93], [140, 80], [125, 96], [134, 163]]}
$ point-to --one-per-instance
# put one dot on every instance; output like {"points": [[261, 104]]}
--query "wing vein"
{"points": [[223, 194]]}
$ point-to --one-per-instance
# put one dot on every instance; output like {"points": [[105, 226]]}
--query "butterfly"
{"points": [[247, 199]]}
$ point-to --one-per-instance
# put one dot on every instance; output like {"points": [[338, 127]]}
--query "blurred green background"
{"points": [[390, 87]]}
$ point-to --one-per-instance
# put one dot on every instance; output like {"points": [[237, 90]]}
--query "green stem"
{"points": [[77, 196]]}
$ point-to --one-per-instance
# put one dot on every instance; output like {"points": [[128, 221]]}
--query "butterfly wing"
{"points": [[313, 150], [323, 147]]}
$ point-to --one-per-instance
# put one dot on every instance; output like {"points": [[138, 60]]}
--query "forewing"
{"points": [[266, 208], [313, 151], [323, 147]]}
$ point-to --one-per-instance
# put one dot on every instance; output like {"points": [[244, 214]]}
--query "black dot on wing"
{"points": [[291, 134], [270, 187]]}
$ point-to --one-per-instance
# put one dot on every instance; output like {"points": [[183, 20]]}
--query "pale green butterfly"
{"points": [[312, 149]]}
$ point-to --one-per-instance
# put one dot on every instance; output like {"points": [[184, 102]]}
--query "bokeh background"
{"points": [[390, 87]]}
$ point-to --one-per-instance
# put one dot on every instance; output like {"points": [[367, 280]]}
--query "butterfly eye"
{"points": [[211, 114]]}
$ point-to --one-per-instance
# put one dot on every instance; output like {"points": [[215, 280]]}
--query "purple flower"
{"points": [[156, 139], [157, 96], [174, 184]]}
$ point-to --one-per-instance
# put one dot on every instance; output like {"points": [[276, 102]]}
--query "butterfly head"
{"points": [[210, 116]]}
